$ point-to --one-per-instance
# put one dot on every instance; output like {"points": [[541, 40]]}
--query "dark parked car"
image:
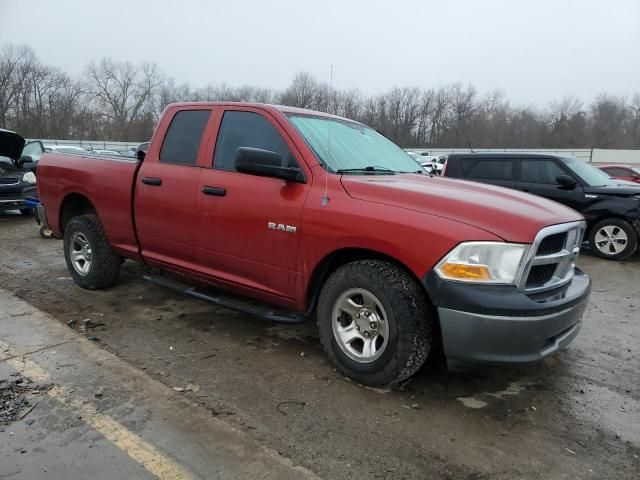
{"points": [[612, 210], [18, 162]]}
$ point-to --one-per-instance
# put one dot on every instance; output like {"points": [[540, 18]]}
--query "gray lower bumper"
{"points": [[473, 337]]}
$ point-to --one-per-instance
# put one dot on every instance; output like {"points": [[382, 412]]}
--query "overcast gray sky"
{"points": [[533, 50]]}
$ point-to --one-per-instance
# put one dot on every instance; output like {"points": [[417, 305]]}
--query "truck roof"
{"points": [[282, 108]]}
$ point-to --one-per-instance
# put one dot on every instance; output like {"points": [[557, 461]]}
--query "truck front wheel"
{"points": [[374, 322], [90, 259]]}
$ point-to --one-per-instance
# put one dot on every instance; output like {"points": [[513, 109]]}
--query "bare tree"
{"points": [[121, 90]]}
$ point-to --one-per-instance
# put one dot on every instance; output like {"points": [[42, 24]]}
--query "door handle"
{"points": [[156, 182], [215, 191]]}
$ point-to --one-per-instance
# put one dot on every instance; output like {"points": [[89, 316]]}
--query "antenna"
{"points": [[325, 198], [470, 147]]}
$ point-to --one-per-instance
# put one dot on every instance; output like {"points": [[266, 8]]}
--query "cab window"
{"points": [[247, 129], [182, 140]]}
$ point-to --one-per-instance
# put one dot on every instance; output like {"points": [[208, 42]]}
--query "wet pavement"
{"points": [[89, 414], [573, 415]]}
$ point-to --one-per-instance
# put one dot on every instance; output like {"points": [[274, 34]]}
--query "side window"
{"points": [[488, 169], [33, 150], [540, 171], [182, 140], [247, 129]]}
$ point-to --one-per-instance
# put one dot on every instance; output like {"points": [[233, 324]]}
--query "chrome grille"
{"points": [[551, 259]]}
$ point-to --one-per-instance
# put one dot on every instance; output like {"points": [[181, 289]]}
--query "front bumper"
{"points": [[503, 325]]}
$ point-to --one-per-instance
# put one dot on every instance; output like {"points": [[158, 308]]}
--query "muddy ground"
{"points": [[576, 415]]}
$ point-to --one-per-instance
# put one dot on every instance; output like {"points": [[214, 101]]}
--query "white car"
{"points": [[104, 152], [65, 149]]}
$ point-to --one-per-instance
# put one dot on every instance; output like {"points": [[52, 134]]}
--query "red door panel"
{"points": [[233, 237]]}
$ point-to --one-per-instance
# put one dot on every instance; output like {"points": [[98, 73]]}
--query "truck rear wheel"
{"points": [[90, 259], [613, 238], [374, 322]]}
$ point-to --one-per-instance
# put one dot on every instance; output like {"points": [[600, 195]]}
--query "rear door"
{"points": [[496, 171], [165, 190], [248, 227], [538, 176]]}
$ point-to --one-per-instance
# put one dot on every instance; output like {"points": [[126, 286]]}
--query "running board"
{"points": [[250, 307]]}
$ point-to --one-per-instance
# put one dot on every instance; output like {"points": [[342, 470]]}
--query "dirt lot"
{"points": [[575, 415]]}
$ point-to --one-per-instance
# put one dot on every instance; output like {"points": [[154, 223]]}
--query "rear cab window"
{"points": [[182, 140]]}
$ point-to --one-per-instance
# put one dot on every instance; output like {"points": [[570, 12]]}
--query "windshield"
{"points": [[592, 176], [349, 147]]}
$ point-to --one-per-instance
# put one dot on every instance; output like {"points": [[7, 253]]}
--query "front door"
{"points": [[538, 176], [248, 227]]}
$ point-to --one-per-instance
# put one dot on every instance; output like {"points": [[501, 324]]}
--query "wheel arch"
{"points": [[72, 205], [334, 260]]}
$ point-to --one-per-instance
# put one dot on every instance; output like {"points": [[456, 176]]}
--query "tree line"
{"points": [[121, 101]]}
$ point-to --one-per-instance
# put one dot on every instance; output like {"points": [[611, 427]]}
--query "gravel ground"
{"points": [[573, 415]]}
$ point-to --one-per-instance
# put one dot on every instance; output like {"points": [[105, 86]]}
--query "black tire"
{"points": [[408, 313], [26, 211], [104, 265], [605, 249]]}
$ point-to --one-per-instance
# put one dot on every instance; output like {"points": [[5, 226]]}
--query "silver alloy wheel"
{"points": [[80, 253], [611, 239], [360, 325]]}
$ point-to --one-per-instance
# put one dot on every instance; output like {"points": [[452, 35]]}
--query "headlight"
{"points": [[29, 177], [483, 262]]}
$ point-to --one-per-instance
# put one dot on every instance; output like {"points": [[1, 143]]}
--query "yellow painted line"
{"points": [[156, 462]]}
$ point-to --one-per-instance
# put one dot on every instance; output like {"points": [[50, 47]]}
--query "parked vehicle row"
{"points": [[253, 200], [611, 209]]}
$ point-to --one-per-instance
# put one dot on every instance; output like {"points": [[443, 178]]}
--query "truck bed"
{"points": [[107, 180]]}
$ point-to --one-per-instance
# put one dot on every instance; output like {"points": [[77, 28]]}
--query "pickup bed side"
{"points": [[77, 184]]}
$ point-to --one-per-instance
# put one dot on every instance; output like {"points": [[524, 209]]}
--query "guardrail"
{"points": [[92, 144]]}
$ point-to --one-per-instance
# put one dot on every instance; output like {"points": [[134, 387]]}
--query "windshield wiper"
{"points": [[369, 168]]}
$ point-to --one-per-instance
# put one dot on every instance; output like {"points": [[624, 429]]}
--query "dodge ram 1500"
{"points": [[295, 214]]}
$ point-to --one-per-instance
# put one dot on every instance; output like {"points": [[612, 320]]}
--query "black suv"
{"points": [[611, 208], [18, 161]]}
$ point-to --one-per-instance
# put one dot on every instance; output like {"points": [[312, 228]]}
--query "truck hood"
{"points": [[11, 144], [513, 216]]}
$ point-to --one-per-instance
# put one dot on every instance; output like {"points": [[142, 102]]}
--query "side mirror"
{"points": [[265, 163], [566, 181], [24, 159], [140, 154]]}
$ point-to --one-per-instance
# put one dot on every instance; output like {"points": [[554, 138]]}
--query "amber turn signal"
{"points": [[463, 271]]}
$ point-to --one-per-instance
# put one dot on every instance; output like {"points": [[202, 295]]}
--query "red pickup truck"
{"points": [[294, 213]]}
